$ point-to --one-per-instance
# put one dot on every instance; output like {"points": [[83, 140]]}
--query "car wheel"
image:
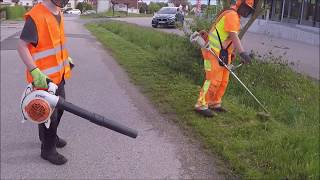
{"points": [[154, 25]]}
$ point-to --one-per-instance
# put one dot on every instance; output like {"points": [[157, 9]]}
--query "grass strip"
{"points": [[170, 71]]}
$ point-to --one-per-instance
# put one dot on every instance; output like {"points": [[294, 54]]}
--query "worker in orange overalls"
{"points": [[42, 48], [223, 40]]}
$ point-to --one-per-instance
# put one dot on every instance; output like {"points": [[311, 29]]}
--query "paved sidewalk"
{"points": [[305, 57], [8, 28]]}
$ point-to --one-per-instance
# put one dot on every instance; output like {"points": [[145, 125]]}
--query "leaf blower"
{"points": [[37, 106], [199, 38]]}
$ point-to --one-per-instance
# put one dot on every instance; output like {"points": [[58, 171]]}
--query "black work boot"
{"points": [[60, 142], [219, 109], [52, 156], [205, 112]]}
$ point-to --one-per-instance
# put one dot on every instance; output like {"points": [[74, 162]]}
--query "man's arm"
{"points": [[25, 55], [39, 79], [246, 58], [236, 41]]}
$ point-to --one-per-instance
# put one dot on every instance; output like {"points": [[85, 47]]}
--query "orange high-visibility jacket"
{"points": [[220, 26], [50, 55]]}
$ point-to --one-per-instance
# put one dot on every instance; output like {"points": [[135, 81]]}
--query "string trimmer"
{"points": [[38, 105], [196, 38]]}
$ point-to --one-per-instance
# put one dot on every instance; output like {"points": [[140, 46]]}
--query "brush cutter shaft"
{"points": [[96, 118], [234, 75]]}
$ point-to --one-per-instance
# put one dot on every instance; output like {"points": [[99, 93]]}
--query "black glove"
{"points": [[70, 62], [245, 58]]}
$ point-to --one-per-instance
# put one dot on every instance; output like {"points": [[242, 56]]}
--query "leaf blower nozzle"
{"points": [[96, 118]]}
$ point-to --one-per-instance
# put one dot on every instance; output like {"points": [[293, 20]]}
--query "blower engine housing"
{"points": [[38, 105]]}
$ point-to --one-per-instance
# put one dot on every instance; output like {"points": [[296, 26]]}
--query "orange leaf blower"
{"points": [[38, 105]]}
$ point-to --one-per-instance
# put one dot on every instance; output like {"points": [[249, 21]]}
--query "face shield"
{"points": [[60, 3], [245, 10]]}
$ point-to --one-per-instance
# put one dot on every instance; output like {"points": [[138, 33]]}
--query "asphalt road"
{"points": [[161, 150], [304, 58]]}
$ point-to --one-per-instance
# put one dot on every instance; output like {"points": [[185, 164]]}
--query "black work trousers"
{"points": [[48, 136]]}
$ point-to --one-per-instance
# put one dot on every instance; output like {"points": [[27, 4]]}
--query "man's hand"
{"points": [[39, 79], [245, 58], [71, 62]]}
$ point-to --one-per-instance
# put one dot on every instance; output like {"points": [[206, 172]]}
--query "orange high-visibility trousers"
{"points": [[215, 85]]}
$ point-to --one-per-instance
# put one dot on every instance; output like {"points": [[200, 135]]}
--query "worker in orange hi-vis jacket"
{"points": [[223, 40], [42, 48]]}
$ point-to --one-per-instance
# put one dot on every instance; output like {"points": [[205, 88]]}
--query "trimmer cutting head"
{"points": [[263, 115]]}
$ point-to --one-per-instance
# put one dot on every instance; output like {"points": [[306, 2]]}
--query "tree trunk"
{"points": [[258, 11], [208, 7]]}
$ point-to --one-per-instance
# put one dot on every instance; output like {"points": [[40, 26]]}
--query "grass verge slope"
{"points": [[169, 70]]}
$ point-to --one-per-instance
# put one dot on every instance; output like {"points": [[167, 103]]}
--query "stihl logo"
{"points": [[40, 96]]}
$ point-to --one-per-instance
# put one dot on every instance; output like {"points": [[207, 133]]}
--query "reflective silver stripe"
{"points": [[56, 68], [48, 52], [215, 45], [214, 36]]}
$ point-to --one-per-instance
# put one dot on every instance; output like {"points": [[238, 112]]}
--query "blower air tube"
{"points": [[96, 118]]}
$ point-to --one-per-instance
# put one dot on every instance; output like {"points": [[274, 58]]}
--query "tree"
{"points": [[143, 7], [178, 2], [80, 6], [154, 7], [83, 6], [259, 10]]}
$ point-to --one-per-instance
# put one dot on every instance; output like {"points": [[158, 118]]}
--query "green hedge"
{"points": [[15, 12]]}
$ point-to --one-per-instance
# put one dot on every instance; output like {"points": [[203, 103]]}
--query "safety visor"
{"points": [[245, 10], [60, 3]]}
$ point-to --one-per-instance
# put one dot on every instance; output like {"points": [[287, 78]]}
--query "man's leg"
{"points": [[219, 80], [49, 135], [217, 99], [202, 103], [61, 92]]}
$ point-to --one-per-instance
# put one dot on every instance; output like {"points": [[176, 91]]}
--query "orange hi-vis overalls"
{"points": [[50, 55], [217, 77]]}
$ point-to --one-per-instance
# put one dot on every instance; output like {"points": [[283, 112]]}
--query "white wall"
{"points": [[103, 5], [133, 10], [123, 7]]}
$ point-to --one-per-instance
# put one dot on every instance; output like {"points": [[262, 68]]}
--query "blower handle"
{"points": [[96, 118]]}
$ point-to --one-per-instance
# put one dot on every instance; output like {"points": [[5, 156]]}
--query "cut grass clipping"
{"points": [[170, 71]]}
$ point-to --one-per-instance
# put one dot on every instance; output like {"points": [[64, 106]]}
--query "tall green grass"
{"points": [[170, 71]]}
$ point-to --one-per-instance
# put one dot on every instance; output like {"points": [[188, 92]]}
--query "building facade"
{"points": [[304, 12], [130, 6]]}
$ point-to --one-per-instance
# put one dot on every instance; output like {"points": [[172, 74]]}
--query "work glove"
{"points": [[71, 62], [245, 58], [40, 80]]}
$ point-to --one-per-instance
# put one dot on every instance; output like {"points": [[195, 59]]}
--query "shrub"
{"points": [[82, 6], [15, 12]]}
